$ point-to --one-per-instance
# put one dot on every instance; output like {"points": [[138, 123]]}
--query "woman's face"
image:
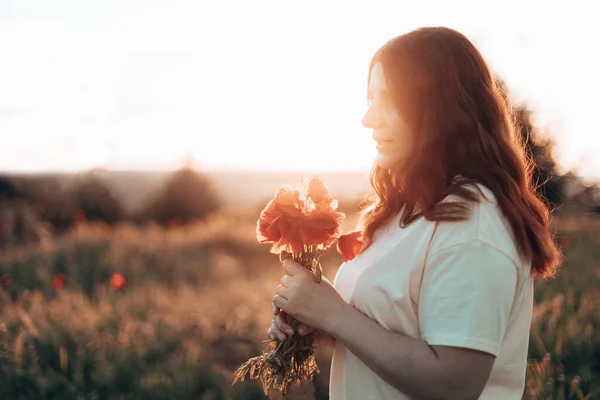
{"points": [[389, 130]]}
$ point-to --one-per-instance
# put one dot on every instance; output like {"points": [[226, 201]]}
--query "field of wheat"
{"points": [[195, 303]]}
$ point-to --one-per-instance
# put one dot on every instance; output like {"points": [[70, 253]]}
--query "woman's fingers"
{"points": [[305, 329], [281, 325], [274, 332], [278, 328]]}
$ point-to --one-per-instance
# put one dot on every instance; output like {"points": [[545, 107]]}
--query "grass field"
{"points": [[196, 304]]}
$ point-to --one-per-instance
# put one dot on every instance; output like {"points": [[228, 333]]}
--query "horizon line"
{"points": [[239, 169]]}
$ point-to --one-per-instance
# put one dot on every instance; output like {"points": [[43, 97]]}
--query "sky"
{"points": [[145, 84]]}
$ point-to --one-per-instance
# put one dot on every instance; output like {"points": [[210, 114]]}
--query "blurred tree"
{"points": [[18, 222], [96, 200], [549, 182], [53, 204], [187, 195], [60, 200], [7, 194], [587, 198], [7, 189]]}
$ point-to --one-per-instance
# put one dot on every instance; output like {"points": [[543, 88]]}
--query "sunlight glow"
{"points": [[264, 84]]}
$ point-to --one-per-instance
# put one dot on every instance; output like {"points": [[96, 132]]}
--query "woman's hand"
{"points": [[314, 304], [280, 329]]}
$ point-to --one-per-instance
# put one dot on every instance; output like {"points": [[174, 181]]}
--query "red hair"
{"points": [[462, 124]]}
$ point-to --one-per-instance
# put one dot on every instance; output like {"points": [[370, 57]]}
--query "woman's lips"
{"points": [[382, 139], [382, 146], [382, 143]]}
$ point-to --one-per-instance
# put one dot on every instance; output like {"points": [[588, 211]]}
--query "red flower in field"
{"points": [[175, 223], [6, 280], [80, 217], [565, 242], [117, 282], [59, 282], [350, 245]]}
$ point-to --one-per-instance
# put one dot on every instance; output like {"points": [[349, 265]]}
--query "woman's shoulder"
{"points": [[486, 224]]}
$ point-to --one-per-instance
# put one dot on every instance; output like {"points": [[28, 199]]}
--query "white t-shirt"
{"points": [[476, 293]]}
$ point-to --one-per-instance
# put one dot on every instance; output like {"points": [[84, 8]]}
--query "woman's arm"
{"points": [[464, 308], [411, 365]]}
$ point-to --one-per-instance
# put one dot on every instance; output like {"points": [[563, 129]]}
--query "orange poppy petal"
{"points": [[267, 230], [317, 190], [320, 228], [289, 203], [350, 245], [290, 236]]}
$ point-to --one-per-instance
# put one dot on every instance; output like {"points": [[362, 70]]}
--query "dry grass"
{"points": [[196, 306]]}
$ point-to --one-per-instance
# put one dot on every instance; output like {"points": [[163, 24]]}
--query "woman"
{"points": [[438, 303]]}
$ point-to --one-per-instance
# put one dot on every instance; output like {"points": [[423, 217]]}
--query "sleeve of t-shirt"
{"points": [[466, 297]]}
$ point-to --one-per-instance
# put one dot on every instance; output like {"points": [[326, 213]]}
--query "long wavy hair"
{"points": [[462, 124]]}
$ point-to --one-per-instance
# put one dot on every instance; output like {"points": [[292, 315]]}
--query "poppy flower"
{"points": [[291, 221], [117, 282], [317, 190], [279, 220], [287, 201], [320, 227], [6, 280], [350, 245], [59, 282], [175, 223], [319, 193], [80, 217]]}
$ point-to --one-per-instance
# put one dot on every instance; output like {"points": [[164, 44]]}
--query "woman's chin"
{"points": [[386, 161]]}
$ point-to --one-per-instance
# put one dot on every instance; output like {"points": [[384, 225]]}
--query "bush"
{"points": [[19, 223], [92, 197], [50, 200], [7, 189], [59, 201], [186, 196]]}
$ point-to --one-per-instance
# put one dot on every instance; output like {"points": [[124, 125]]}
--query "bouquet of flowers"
{"points": [[300, 224]]}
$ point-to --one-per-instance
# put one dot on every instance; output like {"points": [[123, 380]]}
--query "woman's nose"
{"points": [[371, 119]]}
